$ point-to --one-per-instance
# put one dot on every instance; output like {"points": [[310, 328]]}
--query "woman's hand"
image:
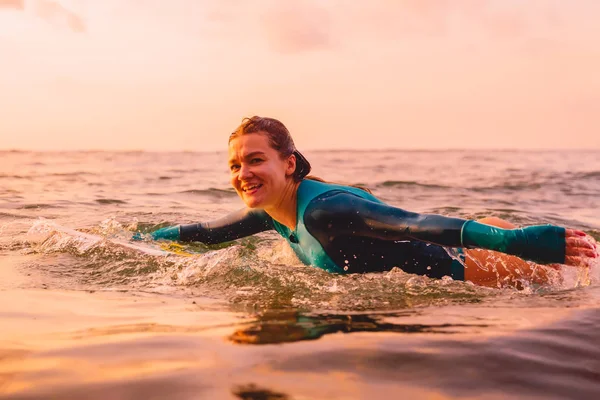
{"points": [[580, 248]]}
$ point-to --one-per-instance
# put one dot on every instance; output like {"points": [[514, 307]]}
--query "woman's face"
{"points": [[258, 174]]}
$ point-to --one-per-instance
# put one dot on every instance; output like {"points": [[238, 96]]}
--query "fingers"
{"points": [[580, 249], [574, 232], [580, 239], [579, 243], [579, 252]]}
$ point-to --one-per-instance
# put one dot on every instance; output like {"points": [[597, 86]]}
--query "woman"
{"points": [[346, 229]]}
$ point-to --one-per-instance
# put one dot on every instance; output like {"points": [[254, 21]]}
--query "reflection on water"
{"points": [[173, 349], [292, 326]]}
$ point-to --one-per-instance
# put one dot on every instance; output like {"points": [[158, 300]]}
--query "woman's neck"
{"points": [[285, 211]]}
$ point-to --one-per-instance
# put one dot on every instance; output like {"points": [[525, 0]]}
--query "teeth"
{"points": [[250, 187]]}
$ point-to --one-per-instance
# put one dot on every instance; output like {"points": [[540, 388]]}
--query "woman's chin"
{"points": [[252, 202]]}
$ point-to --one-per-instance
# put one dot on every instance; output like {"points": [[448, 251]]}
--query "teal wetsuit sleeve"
{"points": [[539, 243], [244, 222], [343, 213], [168, 233]]}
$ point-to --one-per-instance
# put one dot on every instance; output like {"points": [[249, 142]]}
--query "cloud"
{"points": [[294, 27], [308, 25], [48, 10], [288, 27], [54, 12], [436, 18], [14, 4]]}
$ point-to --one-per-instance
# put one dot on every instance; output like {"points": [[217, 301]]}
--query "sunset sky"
{"points": [[181, 74]]}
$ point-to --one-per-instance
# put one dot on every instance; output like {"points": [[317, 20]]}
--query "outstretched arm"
{"points": [[244, 222], [344, 213]]}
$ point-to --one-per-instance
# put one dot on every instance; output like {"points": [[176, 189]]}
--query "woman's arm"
{"points": [[244, 222], [343, 213]]}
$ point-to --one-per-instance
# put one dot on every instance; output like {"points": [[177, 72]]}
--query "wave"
{"points": [[214, 192], [70, 174], [13, 216], [34, 206], [588, 175], [514, 186], [10, 191], [408, 184], [10, 176], [259, 272], [110, 201], [190, 171], [76, 174]]}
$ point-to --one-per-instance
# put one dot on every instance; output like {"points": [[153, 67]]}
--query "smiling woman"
{"points": [[256, 171], [344, 229]]}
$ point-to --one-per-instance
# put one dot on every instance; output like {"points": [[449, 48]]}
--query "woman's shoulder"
{"points": [[310, 189]]}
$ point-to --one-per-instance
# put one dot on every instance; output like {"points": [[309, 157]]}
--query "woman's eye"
{"points": [[234, 167], [255, 160]]}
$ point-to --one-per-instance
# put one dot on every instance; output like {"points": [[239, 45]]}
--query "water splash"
{"points": [[261, 272]]}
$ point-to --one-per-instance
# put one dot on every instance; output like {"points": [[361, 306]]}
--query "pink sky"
{"points": [[181, 74]]}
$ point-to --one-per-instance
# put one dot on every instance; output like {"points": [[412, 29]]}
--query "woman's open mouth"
{"points": [[251, 189]]}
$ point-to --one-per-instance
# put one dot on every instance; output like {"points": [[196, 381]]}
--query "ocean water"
{"points": [[83, 318]]}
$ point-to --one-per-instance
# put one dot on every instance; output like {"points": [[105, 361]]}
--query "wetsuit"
{"points": [[347, 230]]}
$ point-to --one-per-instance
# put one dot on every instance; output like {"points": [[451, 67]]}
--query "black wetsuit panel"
{"points": [[367, 236], [363, 254], [244, 222]]}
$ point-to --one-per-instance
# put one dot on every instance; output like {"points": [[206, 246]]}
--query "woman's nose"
{"points": [[245, 172]]}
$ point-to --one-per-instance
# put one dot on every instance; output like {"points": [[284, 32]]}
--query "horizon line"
{"points": [[495, 149]]}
